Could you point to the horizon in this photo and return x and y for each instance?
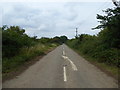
(50, 19)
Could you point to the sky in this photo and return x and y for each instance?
(53, 18)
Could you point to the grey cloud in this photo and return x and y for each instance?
(51, 19)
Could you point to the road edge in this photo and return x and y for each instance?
(96, 65)
(25, 66)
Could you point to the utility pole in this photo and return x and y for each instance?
(76, 33)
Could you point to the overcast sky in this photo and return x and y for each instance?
(49, 19)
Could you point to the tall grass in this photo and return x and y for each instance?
(25, 54)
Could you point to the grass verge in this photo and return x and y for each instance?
(14, 66)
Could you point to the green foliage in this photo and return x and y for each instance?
(25, 54)
(59, 40)
(91, 46)
(110, 23)
(109, 56)
(56, 39)
(63, 39)
(13, 40)
(45, 40)
(105, 47)
(18, 47)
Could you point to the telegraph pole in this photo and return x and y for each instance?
(76, 33)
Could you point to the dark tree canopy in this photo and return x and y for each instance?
(110, 25)
(14, 38)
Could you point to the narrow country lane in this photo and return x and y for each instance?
(62, 68)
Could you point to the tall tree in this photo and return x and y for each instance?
(110, 23)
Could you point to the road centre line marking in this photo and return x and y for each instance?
(63, 52)
(65, 76)
(72, 64)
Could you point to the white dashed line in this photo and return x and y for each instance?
(63, 53)
(65, 76)
(64, 67)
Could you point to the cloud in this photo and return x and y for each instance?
(52, 18)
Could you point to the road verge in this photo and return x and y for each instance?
(21, 68)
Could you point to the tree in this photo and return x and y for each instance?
(110, 23)
(13, 39)
(63, 39)
(44, 40)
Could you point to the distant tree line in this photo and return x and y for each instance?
(56, 39)
(14, 38)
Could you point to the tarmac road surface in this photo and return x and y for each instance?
(62, 68)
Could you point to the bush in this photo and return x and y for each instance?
(95, 49)
(25, 54)
(110, 57)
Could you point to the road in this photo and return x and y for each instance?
(62, 68)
